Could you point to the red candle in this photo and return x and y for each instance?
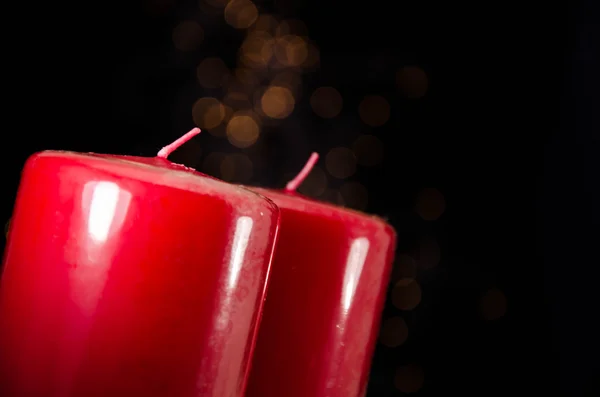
(129, 276)
(326, 292)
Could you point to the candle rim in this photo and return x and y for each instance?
(153, 168)
(318, 207)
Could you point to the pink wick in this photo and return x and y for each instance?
(297, 181)
(167, 150)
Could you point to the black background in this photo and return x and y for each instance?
(507, 132)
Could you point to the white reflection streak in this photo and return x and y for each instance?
(105, 198)
(354, 267)
(243, 228)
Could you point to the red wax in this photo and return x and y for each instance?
(131, 277)
(326, 292)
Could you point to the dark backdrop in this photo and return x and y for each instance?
(492, 188)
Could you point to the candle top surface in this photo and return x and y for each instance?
(292, 200)
(154, 170)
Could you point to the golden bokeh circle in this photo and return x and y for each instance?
(430, 204)
(187, 35)
(409, 378)
(374, 110)
(315, 183)
(406, 294)
(291, 50)
(243, 129)
(326, 102)
(340, 162)
(240, 14)
(368, 150)
(208, 113)
(257, 49)
(211, 72)
(277, 102)
(412, 81)
(394, 332)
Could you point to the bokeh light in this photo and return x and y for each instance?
(187, 35)
(315, 183)
(291, 27)
(340, 162)
(409, 378)
(406, 294)
(277, 102)
(374, 110)
(243, 129)
(291, 50)
(430, 204)
(394, 332)
(240, 14)
(368, 150)
(257, 49)
(493, 304)
(412, 81)
(211, 72)
(326, 102)
(208, 113)
(236, 167)
(355, 195)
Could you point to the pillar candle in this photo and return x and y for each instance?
(327, 289)
(127, 276)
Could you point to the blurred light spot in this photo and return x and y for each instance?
(406, 294)
(315, 183)
(277, 102)
(429, 253)
(340, 162)
(187, 36)
(291, 26)
(212, 164)
(493, 304)
(257, 49)
(236, 168)
(405, 267)
(430, 204)
(374, 110)
(313, 57)
(412, 81)
(332, 196)
(355, 195)
(241, 14)
(368, 150)
(211, 72)
(394, 332)
(265, 23)
(208, 113)
(243, 129)
(291, 50)
(409, 378)
(326, 102)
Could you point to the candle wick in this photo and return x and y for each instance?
(167, 150)
(297, 181)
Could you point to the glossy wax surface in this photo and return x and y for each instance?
(326, 293)
(130, 277)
